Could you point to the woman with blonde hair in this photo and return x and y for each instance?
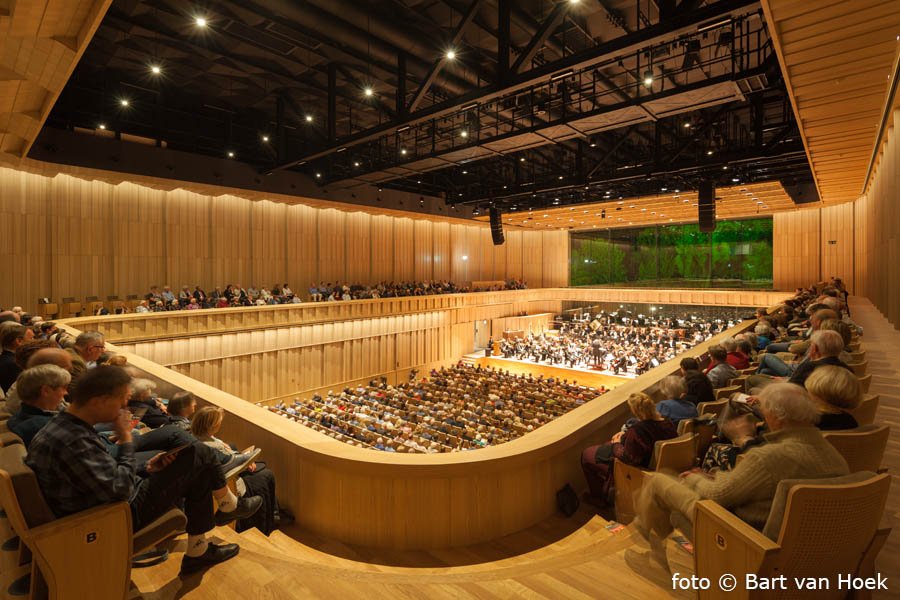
(633, 445)
(256, 480)
(835, 390)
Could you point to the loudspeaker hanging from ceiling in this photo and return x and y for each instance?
(706, 206)
(496, 227)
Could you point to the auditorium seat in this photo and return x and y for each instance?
(677, 454)
(865, 412)
(864, 382)
(816, 528)
(723, 394)
(859, 368)
(863, 447)
(713, 408)
(71, 551)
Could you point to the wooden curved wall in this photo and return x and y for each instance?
(409, 501)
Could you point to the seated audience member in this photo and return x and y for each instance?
(75, 472)
(41, 390)
(699, 388)
(143, 307)
(676, 407)
(156, 414)
(89, 346)
(12, 336)
(181, 408)
(794, 449)
(719, 371)
(735, 357)
(633, 446)
(764, 335)
(824, 348)
(42, 356)
(256, 480)
(835, 391)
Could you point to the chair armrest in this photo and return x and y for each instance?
(8, 438)
(723, 543)
(70, 551)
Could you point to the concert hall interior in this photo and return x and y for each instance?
(449, 299)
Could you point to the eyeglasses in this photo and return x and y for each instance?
(100, 347)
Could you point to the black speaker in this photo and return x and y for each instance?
(706, 206)
(496, 227)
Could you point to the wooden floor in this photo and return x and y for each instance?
(882, 345)
(561, 558)
(587, 378)
(577, 557)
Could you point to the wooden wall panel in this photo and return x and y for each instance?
(556, 258)
(442, 258)
(302, 267)
(513, 247)
(332, 245)
(532, 258)
(879, 223)
(382, 248)
(359, 248)
(837, 243)
(423, 244)
(64, 236)
(404, 250)
(796, 248)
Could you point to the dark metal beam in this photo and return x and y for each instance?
(439, 63)
(547, 28)
(332, 102)
(503, 39)
(680, 25)
(401, 84)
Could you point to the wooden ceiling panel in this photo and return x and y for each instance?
(836, 57)
(739, 201)
(41, 41)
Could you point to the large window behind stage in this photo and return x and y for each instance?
(736, 254)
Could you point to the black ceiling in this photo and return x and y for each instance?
(592, 98)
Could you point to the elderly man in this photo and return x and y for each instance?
(41, 390)
(794, 449)
(824, 348)
(89, 346)
(41, 356)
(719, 372)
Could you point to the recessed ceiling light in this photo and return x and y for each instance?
(403, 151)
(156, 69)
(319, 176)
(124, 102)
(230, 154)
(709, 152)
(368, 92)
(560, 176)
(265, 138)
(464, 133)
(450, 55)
(356, 163)
(465, 172)
(687, 125)
(309, 118)
(522, 159)
(200, 22)
(102, 126)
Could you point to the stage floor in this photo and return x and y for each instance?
(593, 379)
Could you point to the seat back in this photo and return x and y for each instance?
(858, 356)
(863, 447)
(676, 454)
(864, 382)
(711, 408)
(828, 524)
(725, 393)
(865, 412)
(20, 494)
(705, 430)
(859, 368)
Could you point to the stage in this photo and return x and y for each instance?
(586, 377)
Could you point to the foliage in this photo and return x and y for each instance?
(737, 250)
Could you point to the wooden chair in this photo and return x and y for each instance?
(865, 412)
(858, 357)
(864, 382)
(705, 430)
(863, 447)
(859, 368)
(827, 526)
(70, 308)
(725, 393)
(676, 454)
(855, 346)
(71, 553)
(713, 408)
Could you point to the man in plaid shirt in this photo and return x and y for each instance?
(75, 472)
